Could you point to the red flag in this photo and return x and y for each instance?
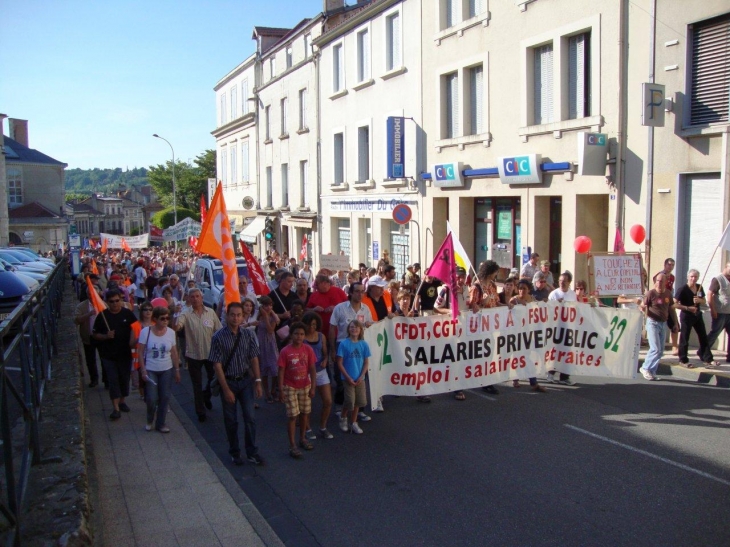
(303, 252)
(618, 242)
(96, 301)
(215, 239)
(193, 242)
(255, 272)
(203, 210)
(125, 246)
(103, 246)
(443, 267)
(93, 244)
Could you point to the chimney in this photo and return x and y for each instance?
(332, 5)
(19, 130)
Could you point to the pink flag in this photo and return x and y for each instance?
(618, 242)
(443, 267)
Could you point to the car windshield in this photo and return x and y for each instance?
(19, 256)
(26, 254)
(10, 258)
(218, 274)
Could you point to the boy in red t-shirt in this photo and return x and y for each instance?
(297, 378)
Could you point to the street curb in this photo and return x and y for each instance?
(254, 517)
(699, 374)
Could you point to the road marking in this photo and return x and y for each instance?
(478, 394)
(649, 454)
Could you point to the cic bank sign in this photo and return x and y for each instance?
(447, 175)
(520, 169)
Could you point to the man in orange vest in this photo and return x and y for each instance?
(377, 299)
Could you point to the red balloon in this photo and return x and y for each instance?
(582, 244)
(638, 233)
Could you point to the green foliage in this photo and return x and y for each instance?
(134, 232)
(75, 197)
(166, 217)
(88, 181)
(191, 181)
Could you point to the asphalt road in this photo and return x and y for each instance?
(601, 463)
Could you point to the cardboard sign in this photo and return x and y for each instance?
(614, 275)
(335, 262)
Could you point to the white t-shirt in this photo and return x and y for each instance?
(560, 296)
(157, 356)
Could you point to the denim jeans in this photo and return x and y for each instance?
(158, 396)
(656, 332)
(721, 323)
(244, 392)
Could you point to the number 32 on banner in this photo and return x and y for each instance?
(617, 330)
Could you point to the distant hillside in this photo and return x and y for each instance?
(87, 181)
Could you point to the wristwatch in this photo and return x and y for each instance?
(257, 380)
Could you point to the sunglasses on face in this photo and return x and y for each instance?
(165, 318)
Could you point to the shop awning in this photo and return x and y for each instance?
(306, 223)
(250, 232)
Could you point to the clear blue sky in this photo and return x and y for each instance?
(96, 78)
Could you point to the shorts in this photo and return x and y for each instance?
(355, 396)
(297, 401)
(323, 378)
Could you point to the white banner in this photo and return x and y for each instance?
(134, 242)
(615, 274)
(335, 262)
(182, 230)
(429, 355)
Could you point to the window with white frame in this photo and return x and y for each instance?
(393, 40)
(244, 98)
(363, 153)
(475, 7)
(302, 109)
(343, 236)
(284, 184)
(303, 183)
(284, 116)
(339, 157)
(234, 171)
(476, 100)
(234, 102)
(579, 76)
(338, 68)
(269, 188)
(272, 66)
(244, 161)
(307, 45)
(451, 105)
(224, 119)
(15, 187)
(267, 122)
(224, 166)
(543, 84)
(289, 55)
(449, 15)
(709, 77)
(363, 55)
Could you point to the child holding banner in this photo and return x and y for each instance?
(353, 358)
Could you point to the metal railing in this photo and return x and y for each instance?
(27, 344)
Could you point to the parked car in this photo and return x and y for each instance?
(208, 276)
(32, 255)
(17, 259)
(20, 268)
(12, 293)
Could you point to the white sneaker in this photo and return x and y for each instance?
(363, 417)
(551, 378)
(354, 428)
(379, 408)
(647, 375)
(343, 424)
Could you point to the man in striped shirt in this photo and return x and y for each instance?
(234, 352)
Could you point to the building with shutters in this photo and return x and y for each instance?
(370, 72)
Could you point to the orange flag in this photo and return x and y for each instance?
(94, 267)
(96, 301)
(103, 246)
(215, 239)
(125, 246)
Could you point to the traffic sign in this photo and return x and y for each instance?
(402, 213)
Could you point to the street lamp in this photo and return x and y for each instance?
(174, 196)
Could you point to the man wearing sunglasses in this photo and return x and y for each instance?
(115, 339)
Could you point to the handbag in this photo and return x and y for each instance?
(215, 386)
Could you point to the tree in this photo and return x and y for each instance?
(166, 217)
(191, 181)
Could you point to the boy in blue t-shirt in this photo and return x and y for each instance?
(353, 355)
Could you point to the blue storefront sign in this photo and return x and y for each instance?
(396, 147)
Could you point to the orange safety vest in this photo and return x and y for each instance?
(369, 303)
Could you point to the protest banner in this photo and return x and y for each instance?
(435, 354)
(182, 230)
(134, 242)
(335, 262)
(615, 274)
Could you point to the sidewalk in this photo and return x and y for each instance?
(164, 489)
(669, 366)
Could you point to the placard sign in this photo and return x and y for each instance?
(614, 275)
(335, 262)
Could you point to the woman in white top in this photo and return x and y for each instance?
(158, 362)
